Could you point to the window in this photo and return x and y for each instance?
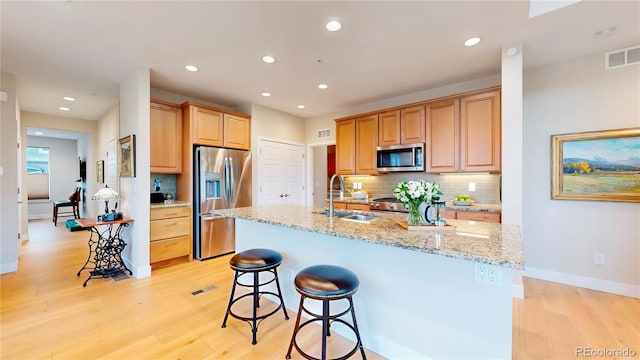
(37, 172)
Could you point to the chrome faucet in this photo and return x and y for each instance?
(331, 211)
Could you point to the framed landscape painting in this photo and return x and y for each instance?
(127, 156)
(598, 165)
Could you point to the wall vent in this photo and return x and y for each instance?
(622, 57)
(324, 133)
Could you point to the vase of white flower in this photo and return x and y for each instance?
(413, 193)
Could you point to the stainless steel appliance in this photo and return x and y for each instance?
(387, 204)
(222, 180)
(406, 157)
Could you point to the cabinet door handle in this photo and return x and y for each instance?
(172, 224)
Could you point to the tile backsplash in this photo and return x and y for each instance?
(167, 183)
(487, 185)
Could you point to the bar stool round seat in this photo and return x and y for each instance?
(255, 261)
(326, 283)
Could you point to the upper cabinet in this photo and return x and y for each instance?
(463, 134)
(389, 128)
(356, 142)
(404, 126)
(214, 127)
(165, 131)
(237, 132)
(412, 123)
(366, 143)
(480, 132)
(346, 147)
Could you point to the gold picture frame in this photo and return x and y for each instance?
(596, 165)
(127, 156)
(100, 171)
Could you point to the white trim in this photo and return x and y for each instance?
(613, 287)
(138, 272)
(309, 200)
(9, 267)
(44, 216)
(279, 141)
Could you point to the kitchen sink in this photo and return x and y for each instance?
(360, 217)
(351, 216)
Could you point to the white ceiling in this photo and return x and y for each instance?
(85, 49)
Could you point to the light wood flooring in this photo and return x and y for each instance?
(46, 313)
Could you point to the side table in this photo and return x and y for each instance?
(105, 250)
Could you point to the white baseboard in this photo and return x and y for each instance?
(138, 272)
(39, 216)
(8, 267)
(613, 287)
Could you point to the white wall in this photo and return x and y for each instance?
(274, 125)
(107, 130)
(134, 191)
(63, 172)
(9, 226)
(561, 235)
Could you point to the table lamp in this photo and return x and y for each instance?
(106, 194)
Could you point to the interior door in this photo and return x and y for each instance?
(280, 173)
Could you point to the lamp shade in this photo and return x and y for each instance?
(106, 194)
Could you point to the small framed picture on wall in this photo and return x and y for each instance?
(100, 171)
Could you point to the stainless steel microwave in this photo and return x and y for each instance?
(406, 157)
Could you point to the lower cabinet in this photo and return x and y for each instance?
(474, 216)
(349, 206)
(170, 235)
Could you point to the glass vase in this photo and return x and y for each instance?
(415, 217)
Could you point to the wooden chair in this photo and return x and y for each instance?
(73, 201)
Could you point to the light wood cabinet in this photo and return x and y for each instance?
(443, 132)
(237, 132)
(356, 142)
(205, 125)
(366, 143)
(165, 130)
(404, 126)
(463, 134)
(170, 235)
(480, 132)
(474, 216)
(390, 128)
(346, 147)
(412, 125)
(214, 127)
(348, 206)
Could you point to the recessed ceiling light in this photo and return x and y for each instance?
(192, 68)
(323, 86)
(268, 59)
(68, 98)
(334, 25)
(301, 106)
(63, 108)
(266, 94)
(38, 133)
(473, 41)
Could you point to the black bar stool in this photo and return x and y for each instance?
(326, 283)
(254, 262)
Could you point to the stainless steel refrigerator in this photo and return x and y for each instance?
(222, 180)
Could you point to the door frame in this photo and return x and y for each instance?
(309, 164)
(258, 163)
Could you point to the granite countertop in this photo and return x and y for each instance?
(175, 204)
(495, 244)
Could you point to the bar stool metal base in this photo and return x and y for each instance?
(326, 283)
(256, 293)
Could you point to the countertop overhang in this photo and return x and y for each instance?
(494, 244)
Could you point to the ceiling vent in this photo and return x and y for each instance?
(622, 57)
(324, 133)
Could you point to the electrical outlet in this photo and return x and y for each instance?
(472, 186)
(487, 274)
(598, 258)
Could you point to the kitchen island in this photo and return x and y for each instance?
(423, 294)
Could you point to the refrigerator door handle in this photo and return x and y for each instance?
(232, 182)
